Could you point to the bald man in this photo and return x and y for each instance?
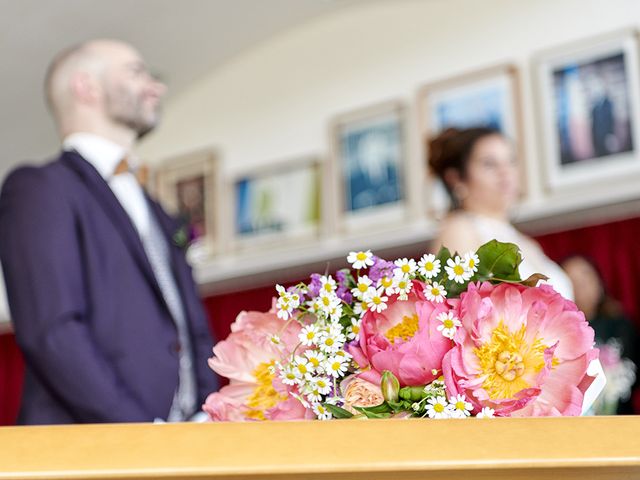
(104, 305)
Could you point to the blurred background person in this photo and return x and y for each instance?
(478, 169)
(605, 314)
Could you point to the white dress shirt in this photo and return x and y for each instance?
(105, 156)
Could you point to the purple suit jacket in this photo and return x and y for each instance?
(98, 339)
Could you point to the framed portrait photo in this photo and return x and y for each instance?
(277, 205)
(188, 186)
(588, 97)
(369, 166)
(484, 98)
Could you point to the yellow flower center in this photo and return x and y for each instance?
(322, 383)
(386, 282)
(311, 335)
(402, 285)
(335, 366)
(355, 329)
(428, 266)
(472, 263)
(314, 361)
(376, 300)
(460, 406)
(302, 368)
(326, 301)
(361, 256)
(328, 341)
(406, 268)
(327, 287)
(507, 362)
(448, 323)
(435, 291)
(362, 287)
(264, 396)
(405, 330)
(458, 269)
(438, 407)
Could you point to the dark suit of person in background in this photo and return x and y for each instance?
(103, 302)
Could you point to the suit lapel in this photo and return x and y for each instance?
(116, 213)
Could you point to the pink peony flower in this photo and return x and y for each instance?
(522, 351)
(402, 339)
(247, 358)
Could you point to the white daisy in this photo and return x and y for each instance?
(404, 267)
(327, 284)
(360, 259)
(287, 375)
(331, 342)
(387, 284)
(284, 308)
(353, 330)
(321, 412)
(435, 292)
(459, 407)
(302, 367)
(471, 261)
(309, 335)
(486, 412)
(403, 286)
(322, 384)
(312, 393)
(336, 366)
(316, 359)
(376, 301)
(457, 270)
(360, 308)
(437, 407)
(429, 266)
(275, 339)
(449, 324)
(364, 282)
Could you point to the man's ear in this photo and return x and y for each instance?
(84, 87)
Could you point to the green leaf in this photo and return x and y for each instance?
(499, 260)
(373, 414)
(533, 280)
(337, 412)
(382, 408)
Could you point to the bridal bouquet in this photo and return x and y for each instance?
(448, 336)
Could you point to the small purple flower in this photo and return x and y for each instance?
(315, 285)
(344, 294)
(380, 268)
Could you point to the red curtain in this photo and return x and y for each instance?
(11, 376)
(615, 248)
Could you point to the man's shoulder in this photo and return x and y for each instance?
(37, 179)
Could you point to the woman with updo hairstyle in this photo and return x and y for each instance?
(479, 171)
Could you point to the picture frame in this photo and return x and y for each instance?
(369, 165)
(189, 187)
(488, 97)
(589, 106)
(277, 205)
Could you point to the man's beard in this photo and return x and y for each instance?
(126, 109)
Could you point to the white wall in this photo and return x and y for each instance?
(275, 100)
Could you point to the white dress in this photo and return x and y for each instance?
(534, 259)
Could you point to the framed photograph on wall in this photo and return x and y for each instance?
(369, 166)
(188, 186)
(484, 98)
(588, 94)
(277, 204)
